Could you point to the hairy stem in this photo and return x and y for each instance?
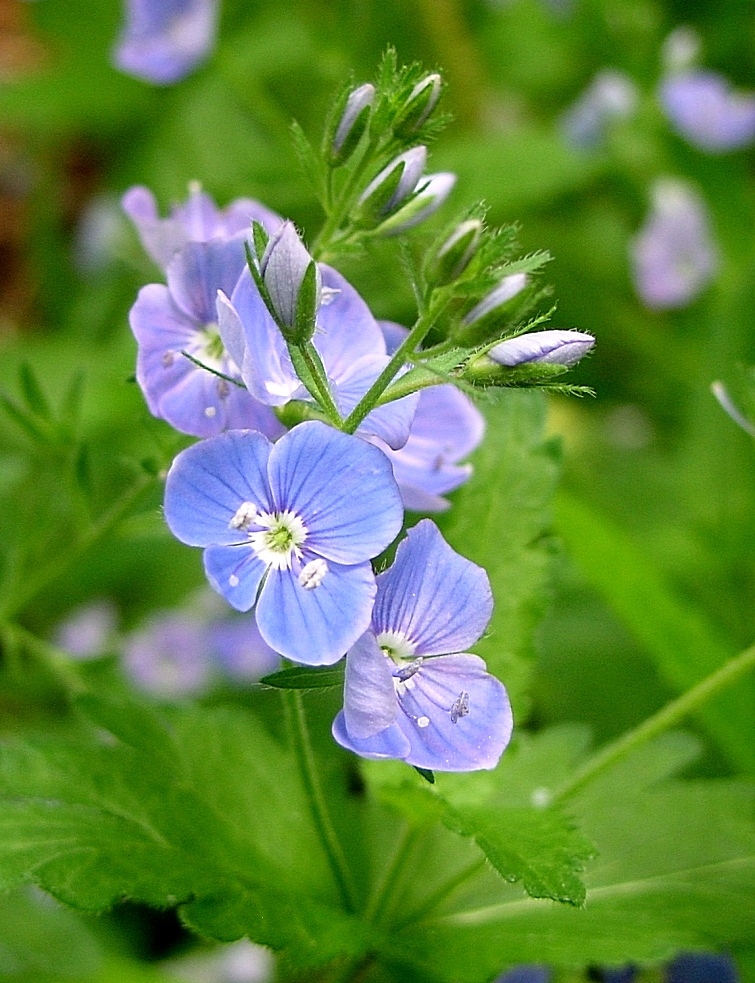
(729, 673)
(300, 736)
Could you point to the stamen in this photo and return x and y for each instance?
(313, 574)
(460, 707)
(246, 516)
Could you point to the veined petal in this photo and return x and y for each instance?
(369, 697)
(341, 486)
(389, 743)
(207, 484)
(199, 270)
(438, 600)
(315, 626)
(456, 716)
(346, 329)
(230, 327)
(235, 572)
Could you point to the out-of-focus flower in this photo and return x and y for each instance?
(89, 631)
(168, 655)
(238, 649)
(240, 962)
(198, 219)
(673, 256)
(555, 347)
(704, 108)
(164, 40)
(611, 96)
(181, 317)
(99, 235)
(410, 691)
(290, 530)
(702, 967)
(526, 974)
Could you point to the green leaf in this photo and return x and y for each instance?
(501, 520)
(33, 394)
(674, 868)
(682, 642)
(540, 847)
(304, 677)
(203, 809)
(310, 162)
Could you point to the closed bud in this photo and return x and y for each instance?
(555, 347)
(432, 192)
(483, 319)
(456, 253)
(353, 122)
(421, 102)
(292, 281)
(392, 186)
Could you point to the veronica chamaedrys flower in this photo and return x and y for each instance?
(238, 649)
(347, 337)
(446, 428)
(89, 631)
(164, 40)
(611, 96)
(673, 256)
(554, 347)
(290, 530)
(410, 691)
(198, 219)
(168, 655)
(704, 109)
(182, 317)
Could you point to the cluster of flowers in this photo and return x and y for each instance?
(307, 460)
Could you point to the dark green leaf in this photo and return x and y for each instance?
(33, 394)
(305, 677)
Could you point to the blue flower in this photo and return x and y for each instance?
(181, 317)
(347, 338)
(289, 528)
(706, 111)
(610, 97)
(673, 255)
(165, 40)
(403, 696)
(198, 219)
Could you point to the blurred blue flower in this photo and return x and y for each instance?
(167, 656)
(526, 974)
(89, 631)
(611, 96)
(446, 428)
(290, 528)
(181, 317)
(702, 967)
(198, 219)
(347, 338)
(554, 347)
(164, 40)
(705, 109)
(673, 256)
(404, 697)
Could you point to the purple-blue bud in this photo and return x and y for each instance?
(393, 185)
(283, 269)
(421, 102)
(456, 252)
(433, 193)
(353, 120)
(508, 288)
(555, 347)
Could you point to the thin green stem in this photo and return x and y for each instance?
(300, 736)
(729, 673)
(413, 340)
(16, 637)
(66, 557)
(383, 894)
(323, 395)
(341, 208)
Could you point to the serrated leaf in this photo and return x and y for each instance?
(539, 847)
(310, 162)
(304, 677)
(501, 519)
(203, 808)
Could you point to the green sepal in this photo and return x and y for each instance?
(307, 303)
(369, 212)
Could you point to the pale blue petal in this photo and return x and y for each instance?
(235, 573)
(199, 270)
(317, 626)
(369, 697)
(230, 327)
(389, 743)
(437, 599)
(162, 331)
(346, 329)
(456, 716)
(391, 422)
(341, 487)
(207, 483)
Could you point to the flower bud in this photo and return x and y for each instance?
(421, 102)
(392, 186)
(353, 122)
(292, 282)
(433, 191)
(482, 322)
(456, 253)
(555, 347)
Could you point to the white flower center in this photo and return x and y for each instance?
(279, 539)
(313, 573)
(397, 646)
